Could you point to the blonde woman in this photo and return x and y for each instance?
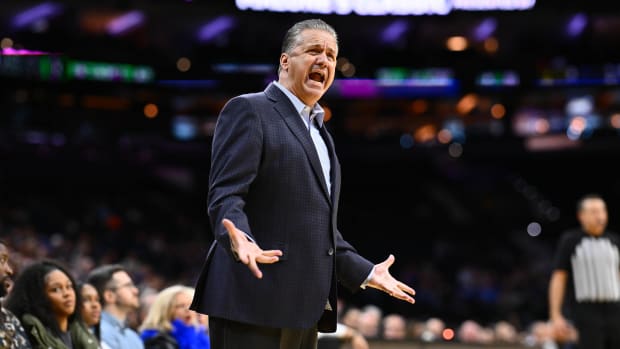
(169, 324)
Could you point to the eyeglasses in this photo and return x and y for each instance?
(129, 284)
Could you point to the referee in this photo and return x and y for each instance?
(587, 276)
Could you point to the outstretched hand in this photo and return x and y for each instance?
(382, 279)
(247, 251)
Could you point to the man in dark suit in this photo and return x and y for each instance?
(273, 202)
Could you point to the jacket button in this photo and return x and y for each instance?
(330, 252)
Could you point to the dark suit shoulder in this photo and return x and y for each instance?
(613, 236)
(256, 102)
(571, 236)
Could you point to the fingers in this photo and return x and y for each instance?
(406, 288)
(248, 252)
(254, 268)
(269, 257)
(389, 261)
(270, 253)
(401, 291)
(403, 296)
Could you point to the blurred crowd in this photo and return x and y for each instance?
(160, 243)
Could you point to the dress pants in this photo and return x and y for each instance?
(227, 334)
(598, 325)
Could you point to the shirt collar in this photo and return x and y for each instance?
(105, 316)
(317, 110)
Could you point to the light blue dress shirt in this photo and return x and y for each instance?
(116, 335)
(309, 114)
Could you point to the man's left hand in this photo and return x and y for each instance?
(382, 279)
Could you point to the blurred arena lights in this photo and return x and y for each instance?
(455, 150)
(498, 111)
(215, 28)
(406, 141)
(485, 29)
(576, 24)
(10, 51)
(614, 120)
(447, 334)
(184, 64)
(534, 229)
(125, 23)
(457, 43)
(6, 43)
(151, 110)
(395, 31)
(382, 7)
(36, 14)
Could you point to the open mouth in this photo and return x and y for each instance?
(317, 76)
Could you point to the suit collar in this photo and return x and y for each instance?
(316, 110)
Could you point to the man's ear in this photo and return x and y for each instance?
(284, 61)
(109, 296)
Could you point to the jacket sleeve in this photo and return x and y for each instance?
(235, 159)
(352, 269)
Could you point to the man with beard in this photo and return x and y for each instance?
(12, 335)
(119, 297)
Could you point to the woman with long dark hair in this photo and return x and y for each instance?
(45, 299)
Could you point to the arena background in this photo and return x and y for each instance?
(465, 139)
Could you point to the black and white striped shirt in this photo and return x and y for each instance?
(593, 264)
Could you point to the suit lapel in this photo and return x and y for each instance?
(292, 119)
(335, 166)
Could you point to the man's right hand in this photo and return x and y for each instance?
(560, 326)
(247, 251)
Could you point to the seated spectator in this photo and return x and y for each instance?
(369, 321)
(170, 324)
(91, 309)
(471, 331)
(12, 335)
(119, 296)
(394, 327)
(433, 329)
(46, 300)
(505, 332)
(351, 316)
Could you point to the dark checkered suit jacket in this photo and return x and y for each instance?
(266, 177)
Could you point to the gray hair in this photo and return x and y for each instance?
(291, 38)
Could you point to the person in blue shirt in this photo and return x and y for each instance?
(119, 297)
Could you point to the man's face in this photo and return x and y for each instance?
(593, 216)
(125, 292)
(5, 269)
(308, 70)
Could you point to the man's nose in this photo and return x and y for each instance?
(321, 59)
